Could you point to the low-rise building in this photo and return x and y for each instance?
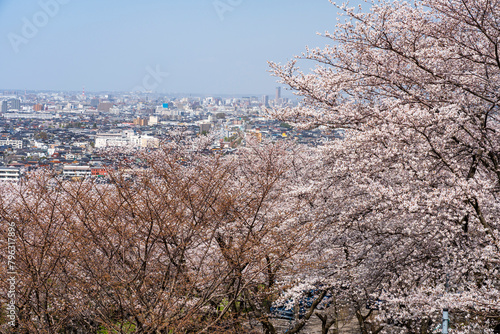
(76, 171)
(99, 171)
(125, 139)
(12, 142)
(10, 174)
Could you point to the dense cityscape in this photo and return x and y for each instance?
(69, 133)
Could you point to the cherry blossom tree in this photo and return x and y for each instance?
(186, 240)
(45, 289)
(410, 195)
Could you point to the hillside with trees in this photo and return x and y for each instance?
(393, 223)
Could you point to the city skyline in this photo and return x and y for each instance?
(6, 93)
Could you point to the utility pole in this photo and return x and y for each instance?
(446, 317)
(446, 321)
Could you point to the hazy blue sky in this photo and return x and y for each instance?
(109, 44)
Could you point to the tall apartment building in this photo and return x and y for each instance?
(141, 121)
(15, 104)
(104, 106)
(265, 100)
(94, 103)
(153, 120)
(205, 127)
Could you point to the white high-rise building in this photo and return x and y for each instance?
(153, 120)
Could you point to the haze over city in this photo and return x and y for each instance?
(205, 46)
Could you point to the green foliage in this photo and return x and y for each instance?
(42, 135)
(285, 125)
(127, 327)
